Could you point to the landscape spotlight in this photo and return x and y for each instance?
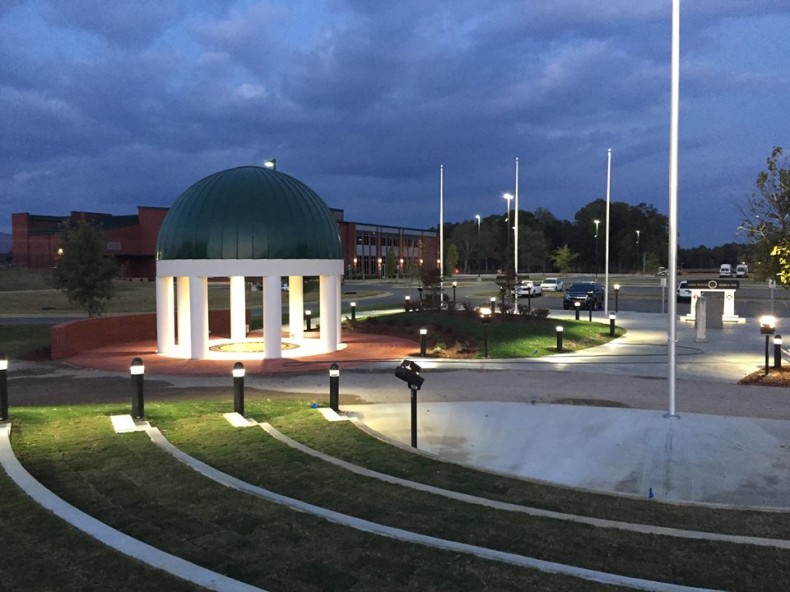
(409, 372)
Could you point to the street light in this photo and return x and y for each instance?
(508, 197)
(477, 217)
(638, 254)
(596, 222)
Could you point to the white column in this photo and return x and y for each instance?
(272, 318)
(329, 312)
(165, 316)
(339, 285)
(296, 307)
(184, 326)
(198, 311)
(238, 309)
(729, 303)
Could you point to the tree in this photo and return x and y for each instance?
(85, 271)
(450, 260)
(390, 263)
(562, 258)
(767, 219)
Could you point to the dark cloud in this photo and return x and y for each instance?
(106, 107)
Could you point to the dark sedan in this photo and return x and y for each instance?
(590, 294)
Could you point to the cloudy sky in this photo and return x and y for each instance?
(109, 105)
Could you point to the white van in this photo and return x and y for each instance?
(725, 270)
(741, 270)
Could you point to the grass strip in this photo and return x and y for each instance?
(256, 458)
(128, 483)
(343, 440)
(41, 552)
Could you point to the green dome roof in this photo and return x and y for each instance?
(249, 213)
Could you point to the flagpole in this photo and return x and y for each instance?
(673, 205)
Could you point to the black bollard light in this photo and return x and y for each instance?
(767, 328)
(590, 313)
(423, 340)
(308, 317)
(334, 387)
(492, 300)
(455, 285)
(407, 303)
(559, 329)
(137, 370)
(485, 318)
(576, 306)
(778, 352)
(3, 387)
(238, 388)
(419, 289)
(612, 318)
(616, 295)
(353, 312)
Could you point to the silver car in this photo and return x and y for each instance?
(552, 285)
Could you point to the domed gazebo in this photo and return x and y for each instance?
(241, 223)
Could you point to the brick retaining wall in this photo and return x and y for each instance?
(76, 336)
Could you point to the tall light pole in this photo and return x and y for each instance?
(606, 247)
(477, 217)
(596, 222)
(515, 226)
(508, 197)
(638, 254)
(441, 234)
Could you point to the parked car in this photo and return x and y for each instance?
(527, 288)
(684, 292)
(552, 285)
(590, 294)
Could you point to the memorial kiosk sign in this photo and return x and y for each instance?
(725, 286)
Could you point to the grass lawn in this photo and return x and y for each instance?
(25, 341)
(127, 482)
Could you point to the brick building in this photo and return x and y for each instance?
(131, 239)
